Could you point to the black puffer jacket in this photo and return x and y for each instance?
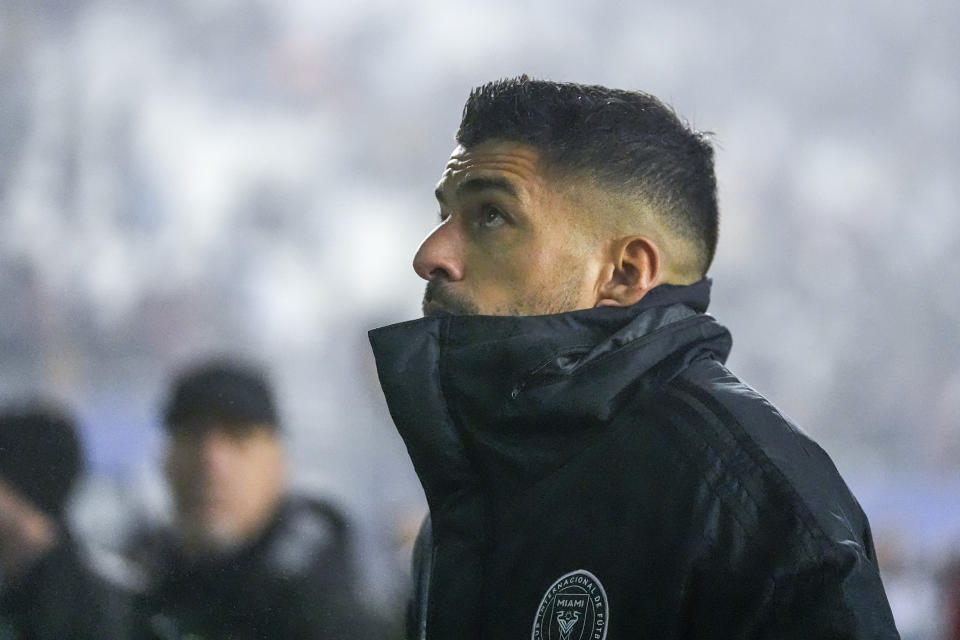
(295, 581)
(600, 474)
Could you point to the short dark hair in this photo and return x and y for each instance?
(220, 389)
(626, 140)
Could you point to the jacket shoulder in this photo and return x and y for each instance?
(750, 445)
(310, 536)
(783, 519)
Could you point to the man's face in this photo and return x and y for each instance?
(226, 480)
(509, 240)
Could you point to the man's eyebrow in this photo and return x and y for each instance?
(475, 185)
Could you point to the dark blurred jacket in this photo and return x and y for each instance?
(296, 580)
(62, 598)
(600, 474)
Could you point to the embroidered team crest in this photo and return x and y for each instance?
(573, 608)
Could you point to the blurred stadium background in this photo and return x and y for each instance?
(187, 178)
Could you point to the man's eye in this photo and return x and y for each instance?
(491, 217)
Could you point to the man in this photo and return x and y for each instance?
(244, 559)
(592, 469)
(48, 591)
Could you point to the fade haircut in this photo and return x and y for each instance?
(628, 141)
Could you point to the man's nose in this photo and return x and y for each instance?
(440, 256)
(214, 451)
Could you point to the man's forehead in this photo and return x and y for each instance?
(514, 161)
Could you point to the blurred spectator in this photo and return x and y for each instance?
(244, 559)
(48, 590)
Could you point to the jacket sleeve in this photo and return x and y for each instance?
(837, 595)
(783, 580)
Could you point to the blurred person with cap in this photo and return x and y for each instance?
(48, 587)
(244, 558)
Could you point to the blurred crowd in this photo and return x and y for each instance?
(243, 557)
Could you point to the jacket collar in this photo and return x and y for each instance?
(452, 382)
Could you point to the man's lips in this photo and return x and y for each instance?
(439, 300)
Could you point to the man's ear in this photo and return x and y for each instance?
(632, 270)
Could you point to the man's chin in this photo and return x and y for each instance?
(210, 533)
(214, 541)
(436, 310)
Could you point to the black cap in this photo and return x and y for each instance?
(221, 389)
(40, 455)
